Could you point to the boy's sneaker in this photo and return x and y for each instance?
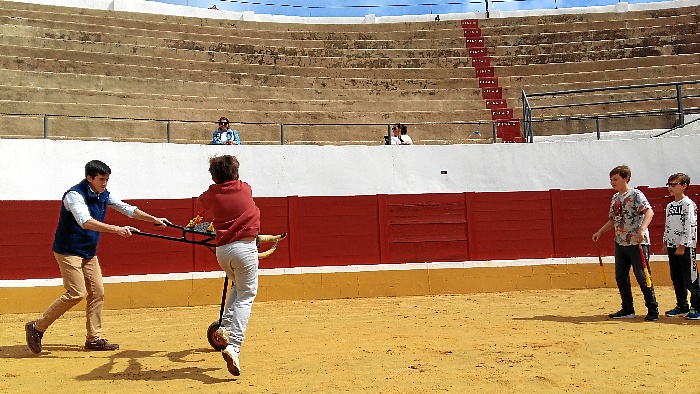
(693, 315)
(33, 337)
(101, 344)
(232, 360)
(652, 316)
(622, 314)
(677, 312)
(221, 335)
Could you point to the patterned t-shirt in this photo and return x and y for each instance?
(627, 213)
(681, 223)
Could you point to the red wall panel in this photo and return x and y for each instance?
(144, 255)
(26, 234)
(424, 227)
(334, 231)
(274, 220)
(658, 198)
(576, 215)
(510, 225)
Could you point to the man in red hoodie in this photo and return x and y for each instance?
(237, 224)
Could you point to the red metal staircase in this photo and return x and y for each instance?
(507, 127)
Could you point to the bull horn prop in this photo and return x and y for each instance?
(267, 239)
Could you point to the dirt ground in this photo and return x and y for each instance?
(533, 341)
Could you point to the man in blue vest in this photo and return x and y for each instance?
(80, 222)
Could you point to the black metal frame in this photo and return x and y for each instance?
(679, 109)
(185, 230)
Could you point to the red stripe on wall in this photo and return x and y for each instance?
(346, 230)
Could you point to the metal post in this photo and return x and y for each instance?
(679, 97)
(281, 133)
(597, 127)
(168, 130)
(495, 133)
(487, 9)
(46, 126)
(527, 119)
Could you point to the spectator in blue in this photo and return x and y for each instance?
(225, 135)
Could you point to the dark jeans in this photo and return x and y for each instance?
(684, 275)
(626, 257)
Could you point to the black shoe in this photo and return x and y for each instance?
(101, 344)
(652, 316)
(33, 337)
(622, 314)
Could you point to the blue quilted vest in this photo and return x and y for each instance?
(70, 238)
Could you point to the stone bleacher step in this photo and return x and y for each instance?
(234, 78)
(79, 96)
(597, 66)
(252, 115)
(149, 87)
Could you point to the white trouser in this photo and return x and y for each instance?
(240, 262)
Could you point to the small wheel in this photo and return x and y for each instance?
(213, 340)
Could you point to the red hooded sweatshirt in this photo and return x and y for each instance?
(235, 214)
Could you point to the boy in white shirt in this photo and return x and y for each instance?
(680, 238)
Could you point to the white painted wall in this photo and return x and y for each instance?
(153, 7)
(44, 169)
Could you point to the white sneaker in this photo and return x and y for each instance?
(233, 363)
(221, 335)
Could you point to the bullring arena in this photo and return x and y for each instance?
(463, 263)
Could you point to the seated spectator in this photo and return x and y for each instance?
(400, 136)
(224, 135)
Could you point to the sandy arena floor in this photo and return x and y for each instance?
(535, 341)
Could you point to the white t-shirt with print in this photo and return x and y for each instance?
(681, 223)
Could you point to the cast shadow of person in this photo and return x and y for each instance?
(21, 351)
(599, 319)
(134, 369)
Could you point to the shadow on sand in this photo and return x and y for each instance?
(605, 318)
(135, 370)
(182, 364)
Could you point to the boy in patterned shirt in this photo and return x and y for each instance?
(630, 215)
(680, 237)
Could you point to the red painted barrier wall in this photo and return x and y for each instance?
(26, 235)
(576, 215)
(423, 227)
(346, 230)
(510, 225)
(334, 230)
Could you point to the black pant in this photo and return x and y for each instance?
(626, 257)
(684, 275)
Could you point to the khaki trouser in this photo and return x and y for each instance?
(82, 278)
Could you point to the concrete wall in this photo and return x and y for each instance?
(32, 171)
(43, 169)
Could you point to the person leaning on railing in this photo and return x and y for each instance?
(225, 135)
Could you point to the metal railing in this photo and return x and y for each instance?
(678, 109)
(81, 127)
